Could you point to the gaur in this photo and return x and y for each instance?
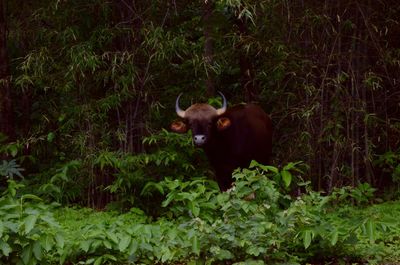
(230, 137)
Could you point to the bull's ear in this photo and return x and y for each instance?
(223, 123)
(179, 127)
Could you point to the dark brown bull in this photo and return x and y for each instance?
(230, 137)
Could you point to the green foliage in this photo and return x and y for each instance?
(360, 195)
(11, 149)
(94, 82)
(61, 185)
(9, 169)
(248, 224)
(290, 174)
(195, 198)
(389, 162)
(168, 153)
(28, 230)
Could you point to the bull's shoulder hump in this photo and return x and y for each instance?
(246, 108)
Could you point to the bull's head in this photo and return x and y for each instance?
(201, 118)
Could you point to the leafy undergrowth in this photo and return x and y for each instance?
(253, 223)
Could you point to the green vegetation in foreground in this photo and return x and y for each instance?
(254, 223)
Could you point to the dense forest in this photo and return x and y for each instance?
(87, 96)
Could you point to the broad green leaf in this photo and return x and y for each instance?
(170, 197)
(267, 168)
(270, 168)
(98, 261)
(291, 165)
(27, 254)
(10, 205)
(60, 240)
(89, 261)
(225, 254)
(166, 255)
(13, 150)
(150, 185)
(172, 233)
(37, 250)
(112, 236)
(307, 237)
(253, 164)
(222, 198)
(107, 244)
(334, 237)
(31, 196)
(147, 246)
(49, 220)
(13, 226)
(124, 242)
(147, 231)
(370, 229)
(85, 245)
(195, 245)
(109, 257)
(244, 191)
(254, 250)
(29, 223)
(1, 229)
(137, 211)
(286, 177)
(194, 208)
(63, 257)
(133, 247)
(5, 248)
(47, 242)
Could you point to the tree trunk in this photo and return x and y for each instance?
(129, 14)
(6, 114)
(208, 8)
(247, 77)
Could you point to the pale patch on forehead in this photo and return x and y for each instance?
(200, 111)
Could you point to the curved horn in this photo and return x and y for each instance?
(179, 111)
(223, 108)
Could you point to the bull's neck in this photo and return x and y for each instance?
(211, 148)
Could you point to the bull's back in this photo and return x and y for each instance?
(248, 138)
(251, 134)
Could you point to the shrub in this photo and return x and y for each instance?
(28, 231)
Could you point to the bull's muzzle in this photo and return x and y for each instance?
(199, 139)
